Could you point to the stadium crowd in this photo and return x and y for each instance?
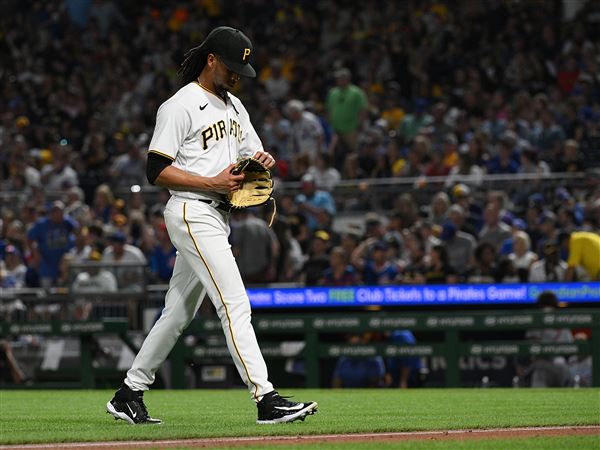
(346, 90)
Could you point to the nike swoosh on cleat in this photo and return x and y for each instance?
(134, 415)
(202, 107)
(290, 408)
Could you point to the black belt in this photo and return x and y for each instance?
(216, 204)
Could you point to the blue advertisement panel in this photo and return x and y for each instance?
(438, 295)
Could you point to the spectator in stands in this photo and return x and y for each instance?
(307, 133)
(312, 200)
(12, 269)
(494, 231)
(276, 84)
(162, 258)
(530, 162)
(438, 270)
(81, 249)
(120, 253)
(548, 371)
(356, 372)
(91, 280)
(547, 135)
(326, 177)
(569, 160)
(255, 247)
(412, 123)
(347, 109)
(505, 162)
(75, 206)
(584, 251)
(51, 237)
(339, 272)
(522, 257)
(59, 175)
(484, 269)
(439, 208)
(318, 259)
(459, 246)
(374, 266)
(129, 169)
(103, 202)
(547, 230)
(414, 259)
(403, 372)
(549, 269)
(465, 170)
(277, 134)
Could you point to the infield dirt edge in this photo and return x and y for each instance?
(456, 435)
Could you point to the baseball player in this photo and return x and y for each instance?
(200, 132)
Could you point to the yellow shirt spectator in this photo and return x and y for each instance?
(584, 250)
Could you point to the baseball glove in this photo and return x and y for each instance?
(257, 186)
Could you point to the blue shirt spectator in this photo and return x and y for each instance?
(52, 236)
(403, 372)
(359, 372)
(162, 258)
(313, 201)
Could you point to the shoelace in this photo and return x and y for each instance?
(140, 401)
(280, 400)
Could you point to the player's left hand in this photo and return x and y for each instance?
(265, 158)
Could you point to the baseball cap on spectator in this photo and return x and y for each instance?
(12, 250)
(457, 209)
(461, 190)
(463, 149)
(119, 237)
(323, 235)
(536, 200)
(95, 255)
(233, 47)
(307, 179)
(519, 224)
(450, 138)
(372, 218)
(120, 219)
(294, 105)
(342, 72)
(562, 194)
(509, 137)
(448, 231)
(547, 216)
(57, 205)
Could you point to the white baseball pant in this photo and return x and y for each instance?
(204, 263)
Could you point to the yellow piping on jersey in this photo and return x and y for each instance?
(161, 154)
(222, 301)
(211, 91)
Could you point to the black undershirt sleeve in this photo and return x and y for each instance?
(156, 164)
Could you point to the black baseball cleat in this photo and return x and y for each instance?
(128, 405)
(273, 408)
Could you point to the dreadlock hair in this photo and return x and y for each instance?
(192, 65)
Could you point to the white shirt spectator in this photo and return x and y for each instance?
(537, 273)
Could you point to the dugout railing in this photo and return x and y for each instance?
(308, 330)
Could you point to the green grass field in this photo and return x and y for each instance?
(72, 416)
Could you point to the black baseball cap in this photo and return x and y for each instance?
(233, 47)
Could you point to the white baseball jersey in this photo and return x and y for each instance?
(202, 134)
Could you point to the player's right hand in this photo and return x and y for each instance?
(226, 182)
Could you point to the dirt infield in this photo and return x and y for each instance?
(457, 435)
